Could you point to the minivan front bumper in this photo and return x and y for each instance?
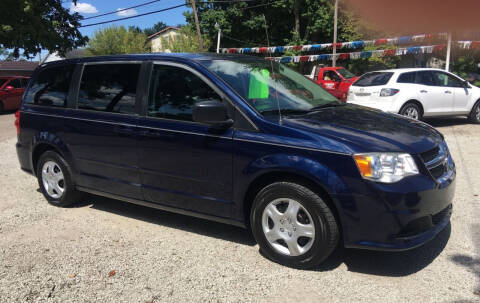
(397, 217)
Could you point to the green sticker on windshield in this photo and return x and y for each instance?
(258, 88)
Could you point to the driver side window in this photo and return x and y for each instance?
(174, 91)
(330, 75)
(443, 79)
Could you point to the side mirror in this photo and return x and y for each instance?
(212, 112)
(8, 87)
(466, 84)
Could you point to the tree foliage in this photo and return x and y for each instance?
(288, 22)
(32, 25)
(117, 40)
(155, 28)
(186, 41)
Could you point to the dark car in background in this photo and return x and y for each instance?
(11, 91)
(238, 140)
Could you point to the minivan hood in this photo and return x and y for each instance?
(362, 129)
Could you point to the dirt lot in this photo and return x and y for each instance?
(109, 251)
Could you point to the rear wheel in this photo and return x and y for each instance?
(1, 107)
(411, 110)
(55, 180)
(475, 113)
(293, 225)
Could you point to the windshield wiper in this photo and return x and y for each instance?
(327, 105)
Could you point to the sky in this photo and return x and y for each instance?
(91, 8)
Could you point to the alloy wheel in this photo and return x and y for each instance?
(411, 112)
(288, 227)
(53, 179)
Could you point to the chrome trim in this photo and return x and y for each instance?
(193, 133)
(442, 154)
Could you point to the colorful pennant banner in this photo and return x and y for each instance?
(368, 54)
(404, 40)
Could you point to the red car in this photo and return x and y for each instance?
(11, 91)
(336, 80)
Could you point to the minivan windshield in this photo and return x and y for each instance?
(345, 73)
(271, 87)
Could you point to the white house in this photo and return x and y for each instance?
(156, 39)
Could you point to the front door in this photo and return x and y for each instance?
(184, 164)
(456, 87)
(100, 132)
(436, 99)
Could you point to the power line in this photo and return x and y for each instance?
(136, 16)
(173, 7)
(123, 9)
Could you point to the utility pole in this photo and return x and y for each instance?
(335, 21)
(200, 42)
(449, 45)
(217, 26)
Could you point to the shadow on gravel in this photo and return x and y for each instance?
(156, 216)
(380, 263)
(445, 122)
(393, 264)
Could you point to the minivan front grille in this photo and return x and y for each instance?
(436, 161)
(429, 155)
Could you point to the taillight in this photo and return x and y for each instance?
(17, 121)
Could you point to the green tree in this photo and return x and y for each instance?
(243, 23)
(32, 25)
(186, 41)
(154, 29)
(360, 66)
(117, 40)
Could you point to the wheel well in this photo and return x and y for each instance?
(38, 151)
(415, 102)
(273, 177)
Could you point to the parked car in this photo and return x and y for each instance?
(417, 93)
(336, 80)
(223, 138)
(11, 91)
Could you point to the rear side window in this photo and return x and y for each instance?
(406, 78)
(373, 79)
(109, 87)
(425, 78)
(50, 87)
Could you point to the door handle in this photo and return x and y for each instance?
(448, 92)
(423, 91)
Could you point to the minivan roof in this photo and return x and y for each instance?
(154, 56)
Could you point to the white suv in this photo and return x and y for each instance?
(417, 93)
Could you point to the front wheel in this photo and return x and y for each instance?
(475, 113)
(55, 180)
(293, 225)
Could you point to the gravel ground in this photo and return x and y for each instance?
(109, 251)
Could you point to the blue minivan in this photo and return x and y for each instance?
(239, 140)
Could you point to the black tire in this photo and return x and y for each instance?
(409, 110)
(1, 107)
(69, 195)
(326, 229)
(475, 113)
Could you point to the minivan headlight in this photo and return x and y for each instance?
(386, 167)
